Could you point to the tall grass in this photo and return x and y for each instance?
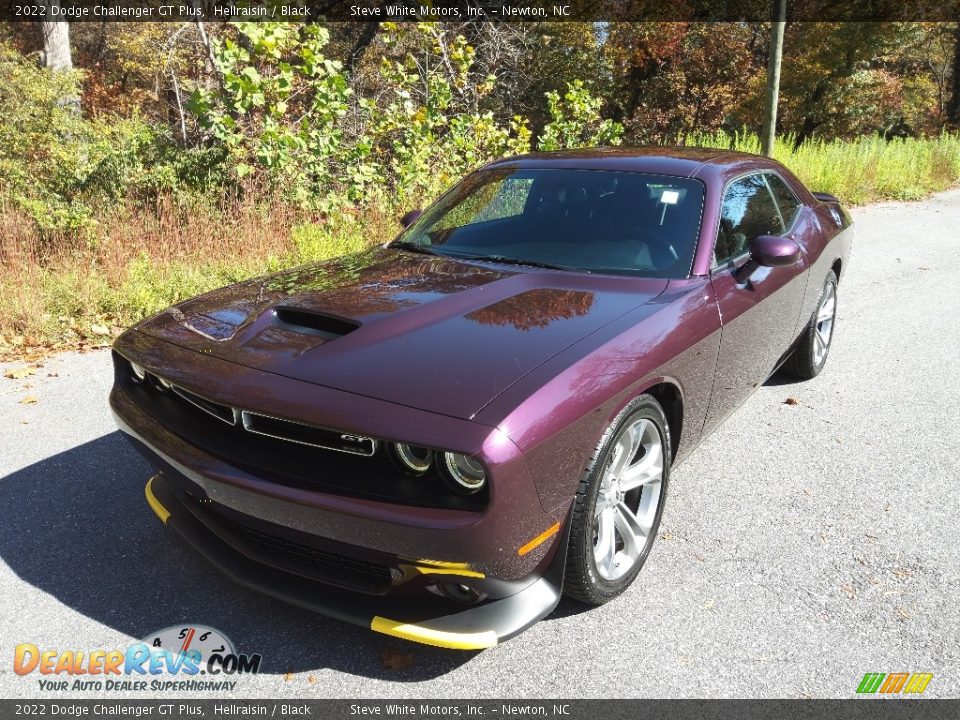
(859, 171)
(60, 290)
(68, 290)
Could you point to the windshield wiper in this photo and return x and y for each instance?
(516, 261)
(415, 247)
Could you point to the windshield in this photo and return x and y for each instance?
(589, 220)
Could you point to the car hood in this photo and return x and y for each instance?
(433, 333)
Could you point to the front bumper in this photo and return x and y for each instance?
(473, 627)
(511, 552)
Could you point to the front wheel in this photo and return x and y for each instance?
(618, 504)
(811, 352)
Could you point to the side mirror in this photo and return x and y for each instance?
(409, 217)
(768, 251)
(773, 251)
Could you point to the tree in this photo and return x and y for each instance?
(671, 79)
(56, 42)
(769, 132)
(954, 110)
(56, 51)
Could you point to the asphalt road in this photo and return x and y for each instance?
(802, 545)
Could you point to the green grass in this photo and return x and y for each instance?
(313, 242)
(860, 171)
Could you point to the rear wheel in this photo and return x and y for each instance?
(618, 504)
(810, 355)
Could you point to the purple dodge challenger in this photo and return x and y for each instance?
(438, 437)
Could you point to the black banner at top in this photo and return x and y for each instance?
(475, 10)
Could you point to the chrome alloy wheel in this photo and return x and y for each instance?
(627, 500)
(824, 322)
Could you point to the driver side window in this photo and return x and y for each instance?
(748, 211)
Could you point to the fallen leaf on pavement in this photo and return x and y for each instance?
(393, 659)
(20, 373)
(791, 401)
(28, 400)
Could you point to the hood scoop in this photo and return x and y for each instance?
(309, 322)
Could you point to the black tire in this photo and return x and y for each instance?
(804, 362)
(582, 581)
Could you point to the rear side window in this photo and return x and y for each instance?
(748, 211)
(786, 200)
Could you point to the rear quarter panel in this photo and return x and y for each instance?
(827, 246)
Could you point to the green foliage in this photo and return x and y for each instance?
(61, 167)
(575, 121)
(313, 242)
(47, 148)
(430, 129)
(149, 287)
(79, 293)
(286, 111)
(279, 103)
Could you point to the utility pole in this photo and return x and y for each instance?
(773, 76)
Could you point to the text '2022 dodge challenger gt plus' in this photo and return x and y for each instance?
(437, 437)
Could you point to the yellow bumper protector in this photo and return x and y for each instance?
(437, 567)
(437, 638)
(155, 504)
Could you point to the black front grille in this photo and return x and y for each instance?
(307, 434)
(291, 454)
(333, 568)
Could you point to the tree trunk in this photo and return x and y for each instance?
(367, 34)
(769, 132)
(56, 51)
(56, 44)
(953, 111)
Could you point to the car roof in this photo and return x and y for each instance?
(681, 161)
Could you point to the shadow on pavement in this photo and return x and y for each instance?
(781, 378)
(78, 528)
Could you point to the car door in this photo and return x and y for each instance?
(759, 313)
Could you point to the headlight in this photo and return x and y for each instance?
(411, 459)
(138, 374)
(465, 473)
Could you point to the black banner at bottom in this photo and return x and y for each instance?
(853, 709)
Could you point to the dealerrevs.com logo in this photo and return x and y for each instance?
(181, 657)
(894, 683)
